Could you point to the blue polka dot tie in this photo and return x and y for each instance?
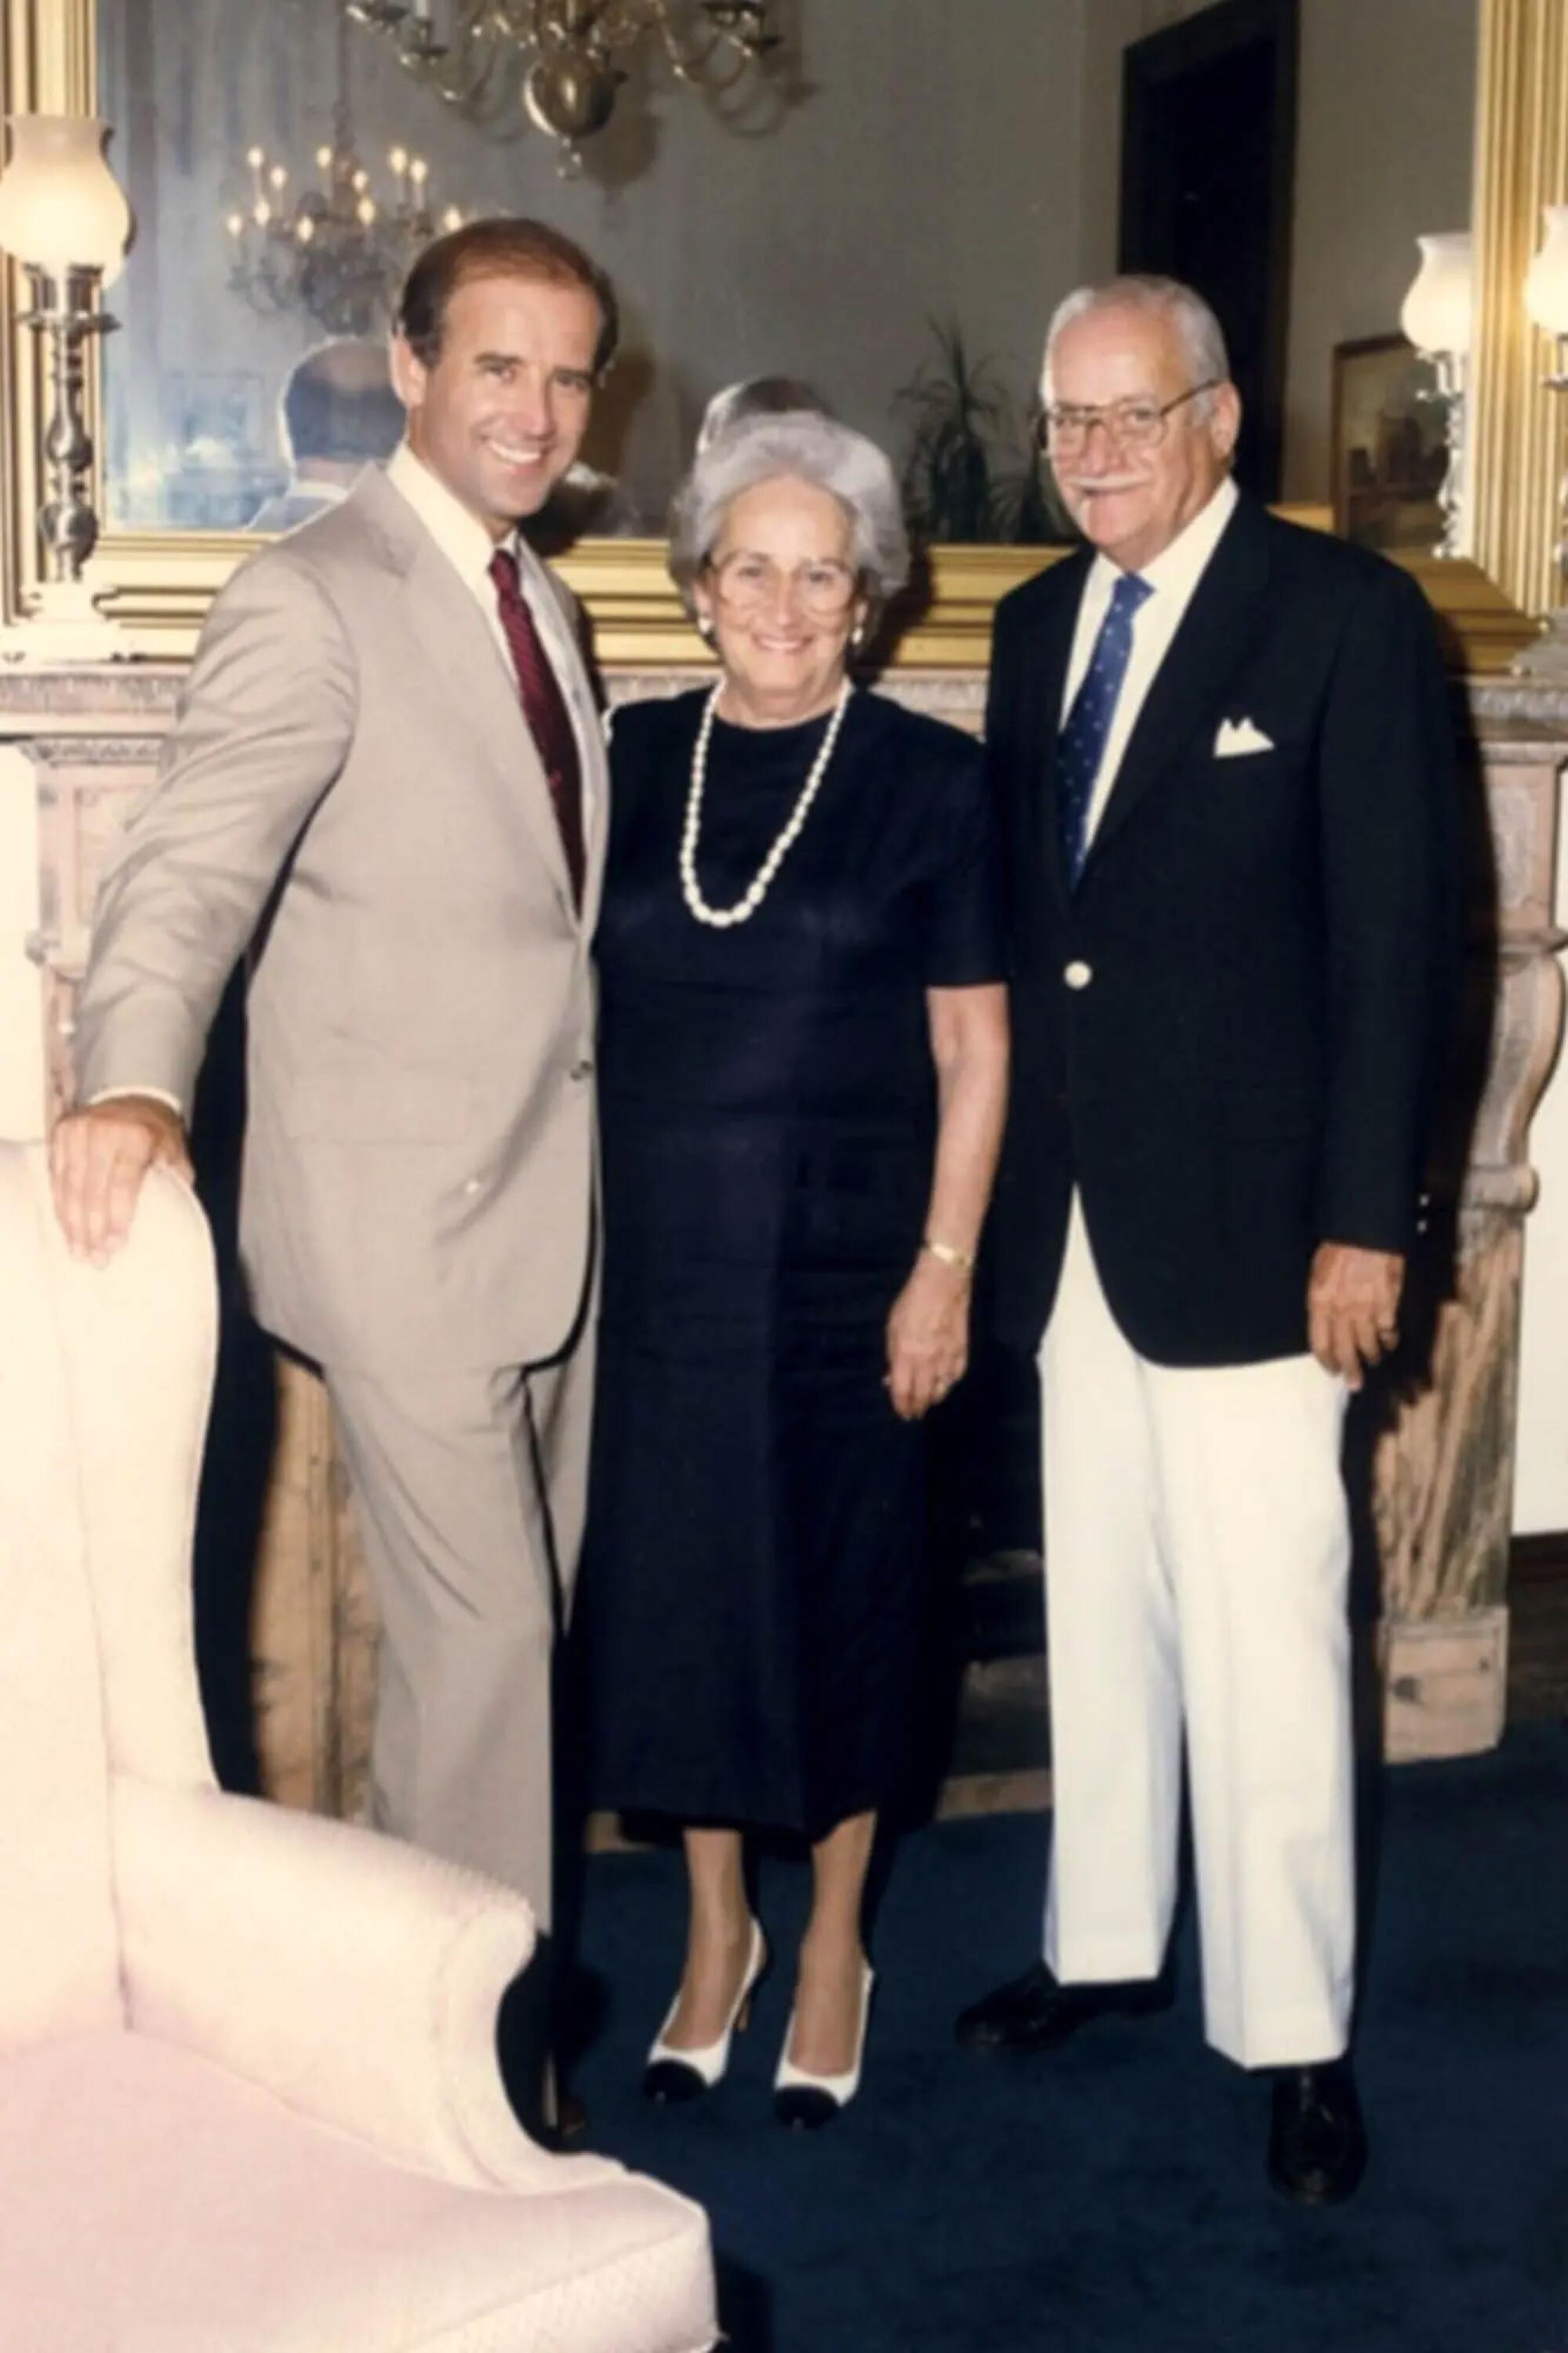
(1081, 745)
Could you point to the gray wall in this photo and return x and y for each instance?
(934, 172)
(1385, 151)
(1384, 154)
(927, 164)
(1109, 27)
(932, 160)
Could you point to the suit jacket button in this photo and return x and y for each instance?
(1077, 975)
(474, 1185)
(584, 1069)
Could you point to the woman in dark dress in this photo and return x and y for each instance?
(802, 1066)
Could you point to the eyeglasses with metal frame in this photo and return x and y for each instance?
(748, 583)
(1061, 430)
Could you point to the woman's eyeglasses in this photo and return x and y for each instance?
(748, 583)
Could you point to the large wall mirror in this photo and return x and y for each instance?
(902, 195)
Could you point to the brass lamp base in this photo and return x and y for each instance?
(61, 621)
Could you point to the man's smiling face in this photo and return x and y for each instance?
(1131, 501)
(498, 414)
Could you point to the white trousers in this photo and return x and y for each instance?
(1197, 1551)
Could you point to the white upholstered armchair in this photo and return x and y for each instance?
(248, 2097)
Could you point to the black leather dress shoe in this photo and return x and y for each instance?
(1035, 2013)
(1317, 2141)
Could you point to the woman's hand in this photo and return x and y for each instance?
(928, 1337)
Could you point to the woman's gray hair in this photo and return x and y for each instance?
(798, 446)
(1202, 336)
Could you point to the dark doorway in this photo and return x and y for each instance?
(1208, 159)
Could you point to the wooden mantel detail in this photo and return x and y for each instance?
(1442, 1458)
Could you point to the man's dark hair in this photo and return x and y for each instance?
(339, 403)
(500, 248)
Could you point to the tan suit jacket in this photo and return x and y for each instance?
(351, 786)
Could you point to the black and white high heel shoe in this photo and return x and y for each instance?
(672, 2075)
(807, 2102)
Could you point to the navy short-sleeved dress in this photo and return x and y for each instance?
(753, 1579)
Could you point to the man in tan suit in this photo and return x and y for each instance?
(387, 781)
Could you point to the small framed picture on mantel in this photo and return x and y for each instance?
(1389, 451)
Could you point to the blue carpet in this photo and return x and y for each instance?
(1112, 2197)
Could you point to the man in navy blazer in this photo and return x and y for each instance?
(1223, 753)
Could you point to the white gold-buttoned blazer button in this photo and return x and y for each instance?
(1077, 975)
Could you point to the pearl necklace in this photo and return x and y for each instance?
(746, 907)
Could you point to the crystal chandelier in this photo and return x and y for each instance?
(560, 55)
(337, 252)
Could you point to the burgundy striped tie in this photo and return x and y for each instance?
(544, 707)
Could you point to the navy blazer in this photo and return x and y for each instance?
(1227, 1036)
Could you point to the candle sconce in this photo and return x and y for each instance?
(1436, 316)
(64, 218)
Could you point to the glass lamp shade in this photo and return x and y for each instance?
(61, 205)
(1546, 279)
(1436, 315)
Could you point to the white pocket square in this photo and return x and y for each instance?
(1238, 736)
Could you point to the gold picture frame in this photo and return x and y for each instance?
(1387, 442)
(158, 583)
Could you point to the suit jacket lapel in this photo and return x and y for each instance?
(1218, 630)
(1045, 678)
(466, 657)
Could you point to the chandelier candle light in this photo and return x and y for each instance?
(1436, 317)
(65, 218)
(335, 252)
(560, 55)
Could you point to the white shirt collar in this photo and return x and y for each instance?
(306, 486)
(460, 536)
(1177, 569)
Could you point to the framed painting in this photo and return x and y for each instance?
(1389, 451)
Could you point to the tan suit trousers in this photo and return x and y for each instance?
(470, 1489)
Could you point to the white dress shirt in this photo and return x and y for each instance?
(469, 549)
(1172, 576)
